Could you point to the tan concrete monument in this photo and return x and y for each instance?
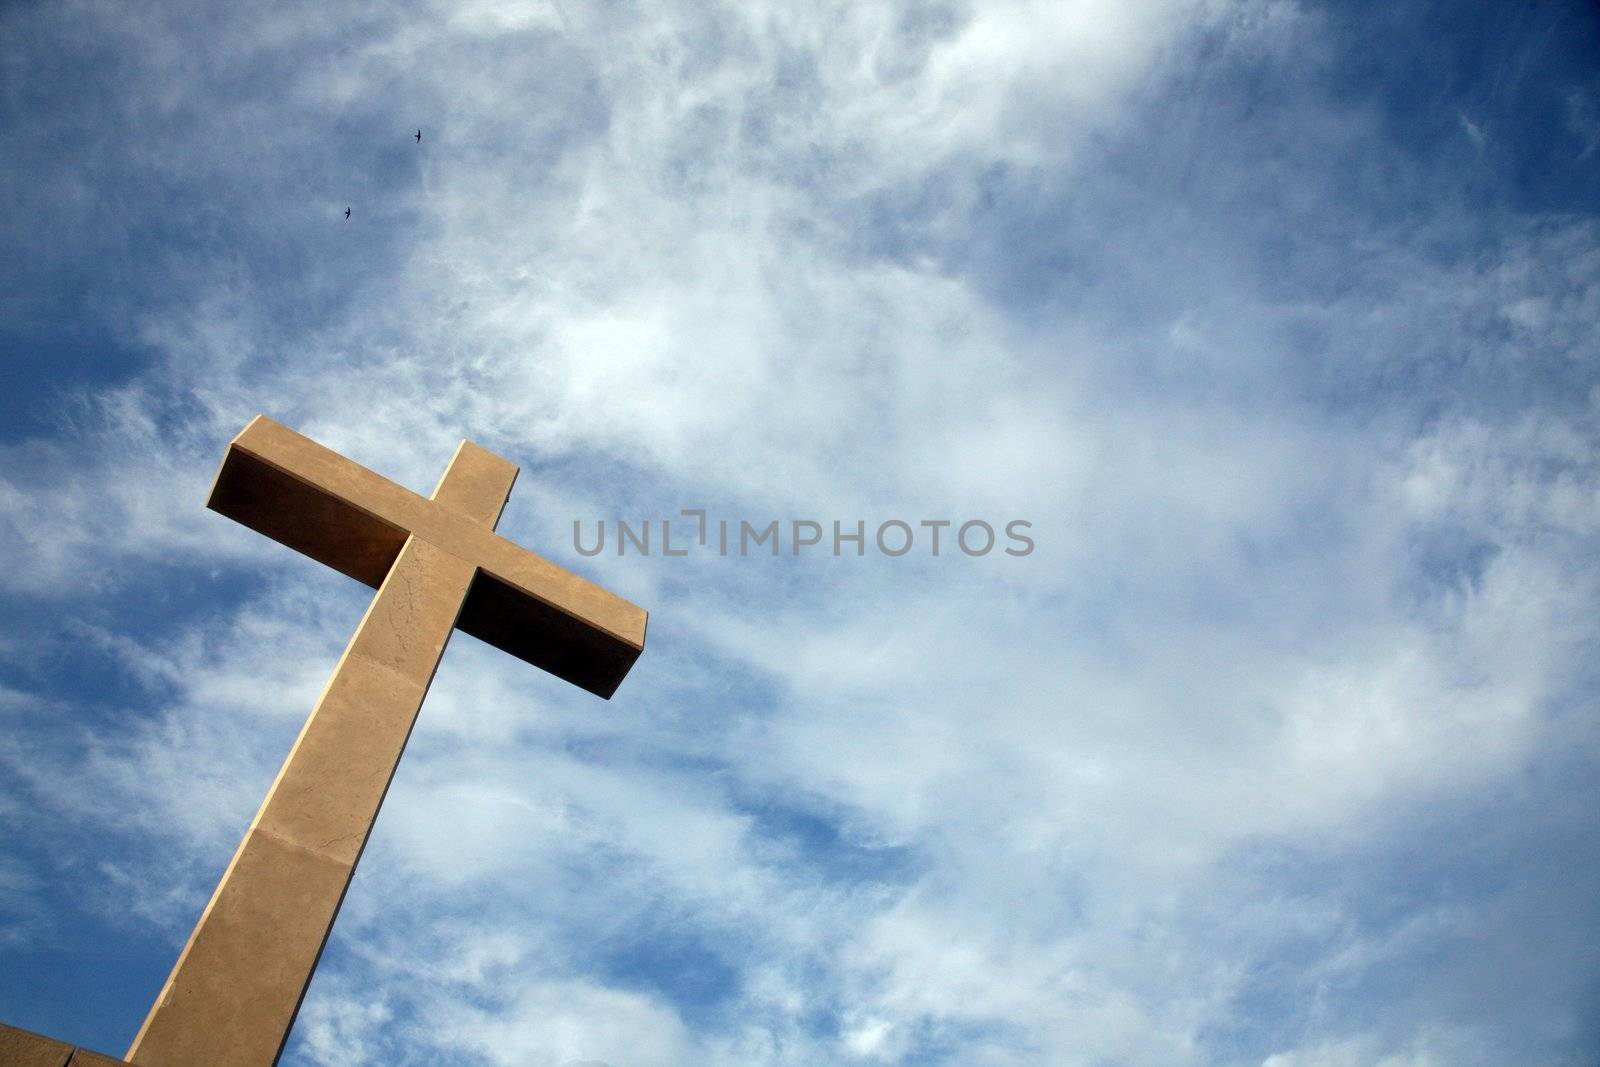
(438, 566)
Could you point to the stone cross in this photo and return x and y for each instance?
(438, 565)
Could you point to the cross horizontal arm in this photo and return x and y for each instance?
(288, 487)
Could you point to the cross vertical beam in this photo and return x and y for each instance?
(238, 983)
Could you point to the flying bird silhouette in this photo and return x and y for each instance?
(346, 212)
(419, 136)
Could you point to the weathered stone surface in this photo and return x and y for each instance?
(235, 990)
(477, 484)
(336, 775)
(237, 985)
(24, 1048)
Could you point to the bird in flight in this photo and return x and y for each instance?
(419, 136)
(346, 212)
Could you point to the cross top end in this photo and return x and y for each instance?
(301, 494)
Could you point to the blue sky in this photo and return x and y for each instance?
(1276, 320)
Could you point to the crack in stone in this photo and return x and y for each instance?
(332, 841)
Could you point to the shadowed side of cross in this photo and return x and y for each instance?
(437, 565)
(314, 500)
